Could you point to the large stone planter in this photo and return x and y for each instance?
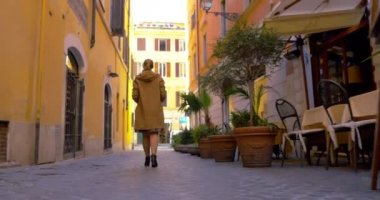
(205, 148)
(187, 148)
(223, 147)
(255, 145)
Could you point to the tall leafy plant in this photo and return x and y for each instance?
(193, 104)
(244, 53)
(240, 118)
(206, 103)
(190, 104)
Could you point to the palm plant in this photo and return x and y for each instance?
(190, 104)
(206, 103)
(193, 104)
(257, 120)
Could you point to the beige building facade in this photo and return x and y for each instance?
(164, 43)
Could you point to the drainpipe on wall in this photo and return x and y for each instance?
(39, 82)
(226, 99)
(198, 60)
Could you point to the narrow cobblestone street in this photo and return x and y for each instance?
(180, 177)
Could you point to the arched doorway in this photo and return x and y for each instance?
(73, 144)
(107, 117)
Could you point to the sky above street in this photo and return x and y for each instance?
(159, 10)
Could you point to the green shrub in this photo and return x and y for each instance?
(186, 137)
(240, 118)
(202, 131)
(176, 139)
(183, 137)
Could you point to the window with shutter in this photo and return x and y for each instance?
(93, 16)
(141, 44)
(204, 50)
(126, 50)
(117, 18)
(156, 67)
(193, 20)
(176, 69)
(162, 69)
(180, 70)
(168, 69)
(162, 44)
(176, 45)
(182, 45)
(177, 99)
(168, 45)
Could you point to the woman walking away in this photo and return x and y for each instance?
(149, 93)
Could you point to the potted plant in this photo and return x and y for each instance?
(200, 135)
(193, 104)
(244, 53)
(182, 140)
(223, 145)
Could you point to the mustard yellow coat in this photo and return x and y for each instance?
(149, 93)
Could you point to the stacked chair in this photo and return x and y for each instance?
(348, 115)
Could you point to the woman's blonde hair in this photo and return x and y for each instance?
(148, 64)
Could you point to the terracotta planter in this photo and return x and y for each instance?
(255, 145)
(223, 147)
(205, 148)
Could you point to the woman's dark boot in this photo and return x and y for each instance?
(147, 161)
(154, 161)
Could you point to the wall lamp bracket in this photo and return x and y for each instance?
(207, 4)
(228, 15)
(113, 74)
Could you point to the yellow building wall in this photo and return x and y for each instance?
(17, 72)
(33, 79)
(16, 62)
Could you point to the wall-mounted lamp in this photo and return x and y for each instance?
(207, 4)
(293, 51)
(110, 73)
(113, 74)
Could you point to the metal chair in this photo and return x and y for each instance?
(294, 131)
(334, 97)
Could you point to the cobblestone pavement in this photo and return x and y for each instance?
(179, 177)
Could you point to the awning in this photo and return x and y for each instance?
(293, 17)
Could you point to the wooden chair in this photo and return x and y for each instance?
(295, 132)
